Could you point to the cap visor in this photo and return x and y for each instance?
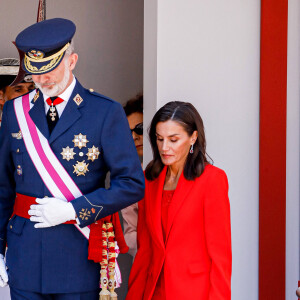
(38, 68)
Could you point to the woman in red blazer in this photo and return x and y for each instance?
(184, 239)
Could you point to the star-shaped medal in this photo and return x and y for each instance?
(80, 140)
(68, 153)
(93, 153)
(80, 168)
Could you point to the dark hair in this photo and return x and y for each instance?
(6, 80)
(188, 117)
(134, 105)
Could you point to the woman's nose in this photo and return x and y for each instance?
(165, 146)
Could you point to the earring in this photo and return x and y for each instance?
(192, 149)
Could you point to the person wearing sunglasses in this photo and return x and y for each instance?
(138, 129)
(137, 133)
(134, 112)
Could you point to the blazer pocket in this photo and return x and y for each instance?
(16, 225)
(197, 268)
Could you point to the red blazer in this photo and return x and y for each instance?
(197, 253)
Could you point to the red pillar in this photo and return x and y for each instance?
(272, 149)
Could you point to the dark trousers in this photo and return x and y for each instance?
(24, 295)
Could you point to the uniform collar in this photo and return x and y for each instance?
(66, 94)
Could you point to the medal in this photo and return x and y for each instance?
(19, 170)
(93, 153)
(80, 140)
(68, 153)
(52, 112)
(80, 168)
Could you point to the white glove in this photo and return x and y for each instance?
(3, 273)
(51, 212)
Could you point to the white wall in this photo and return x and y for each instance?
(292, 180)
(208, 54)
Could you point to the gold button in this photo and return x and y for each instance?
(19, 167)
(18, 150)
(91, 90)
(10, 226)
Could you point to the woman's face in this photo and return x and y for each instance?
(133, 120)
(173, 143)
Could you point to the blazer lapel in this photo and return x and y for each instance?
(154, 205)
(69, 116)
(182, 190)
(38, 116)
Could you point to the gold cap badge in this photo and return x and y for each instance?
(36, 54)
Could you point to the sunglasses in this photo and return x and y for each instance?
(138, 129)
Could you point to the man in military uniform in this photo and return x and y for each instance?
(55, 154)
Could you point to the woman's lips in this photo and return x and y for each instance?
(139, 146)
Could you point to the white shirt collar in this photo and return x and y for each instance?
(66, 94)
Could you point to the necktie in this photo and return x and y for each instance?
(52, 115)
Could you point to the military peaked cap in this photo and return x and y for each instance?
(45, 44)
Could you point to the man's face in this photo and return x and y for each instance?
(55, 82)
(17, 90)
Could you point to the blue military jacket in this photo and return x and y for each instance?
(54, 260)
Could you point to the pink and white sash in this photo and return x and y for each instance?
(53, 174)
(56, 178)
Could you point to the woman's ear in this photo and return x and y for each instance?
(194, 136)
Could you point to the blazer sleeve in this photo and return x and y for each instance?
(139, 271)
(218, 236)
(126, 174)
